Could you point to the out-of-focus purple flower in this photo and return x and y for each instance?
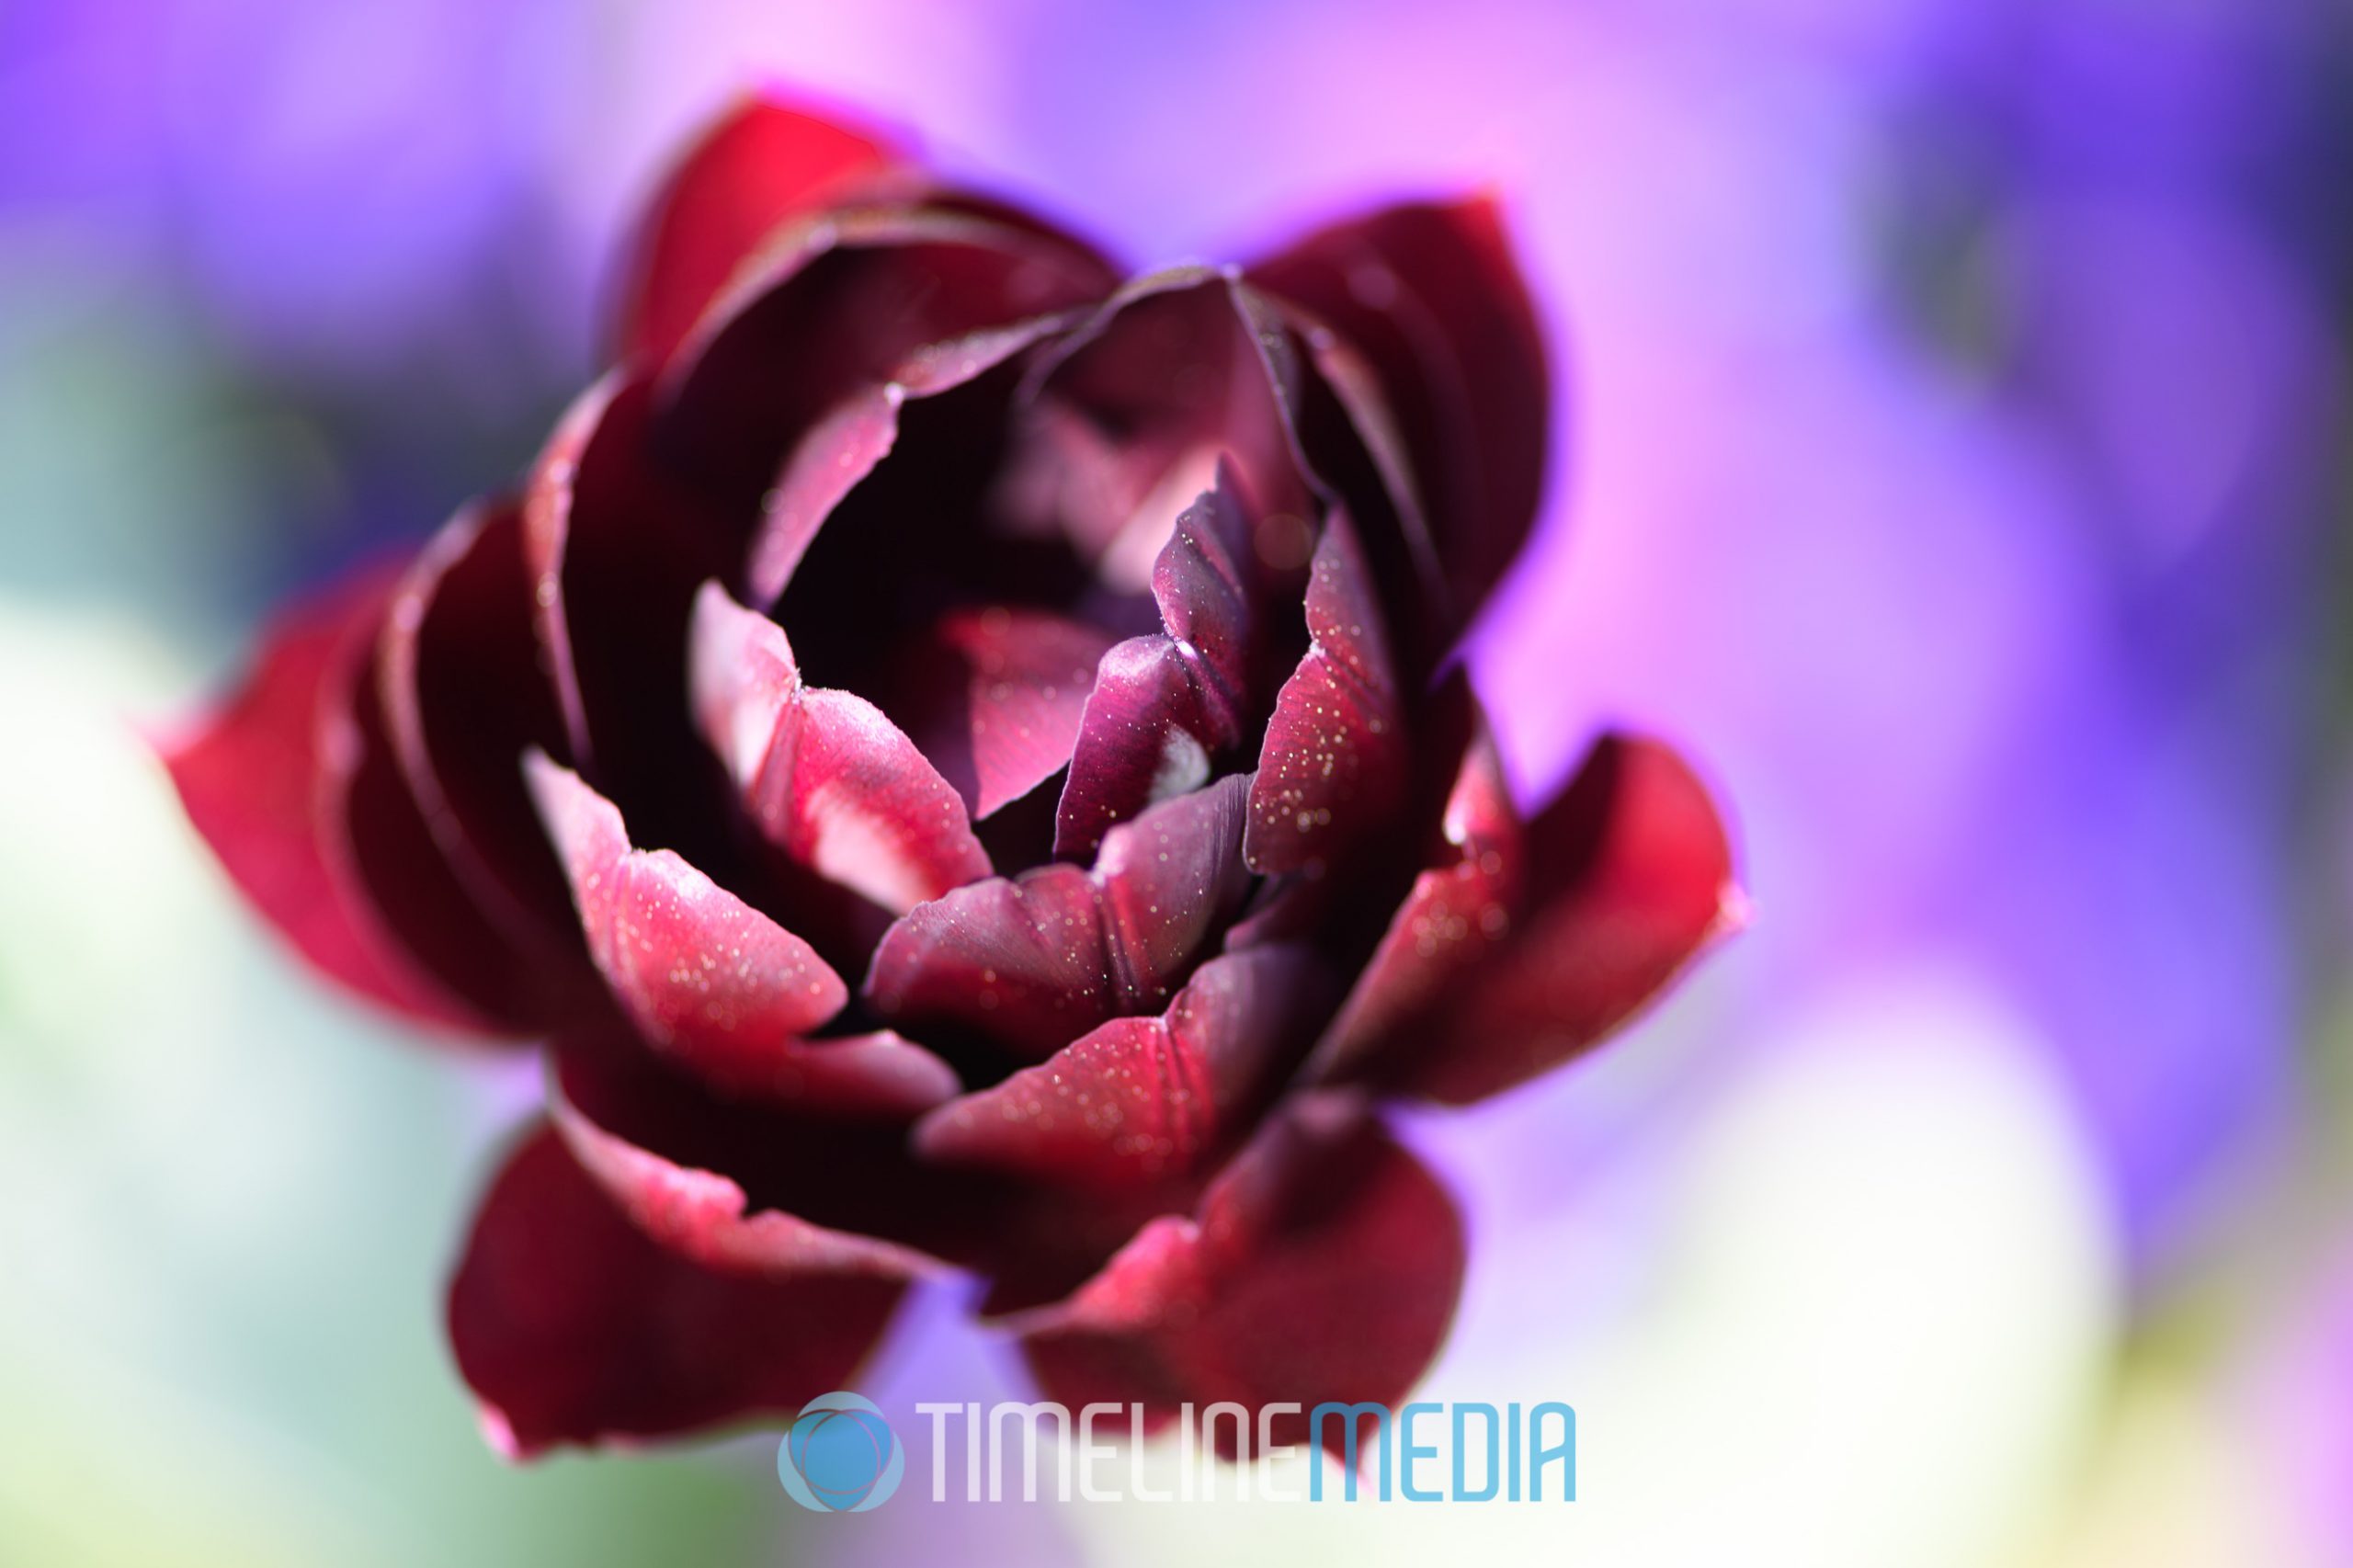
(334, 182)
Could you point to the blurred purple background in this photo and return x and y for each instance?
(1954, 460)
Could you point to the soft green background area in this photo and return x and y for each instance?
(228, 1198)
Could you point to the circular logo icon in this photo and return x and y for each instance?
(840, 1457)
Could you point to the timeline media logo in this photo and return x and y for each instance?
(840, 1456)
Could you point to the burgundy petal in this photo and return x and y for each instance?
(464, 698)
(1164, 707)
(762, 163)
(249, 778)
(680, 1162)
(617, 549)
(1149, 734)
(1323, 1265)
(995, 697)
(1140, 1099)
(1454, 916)
(1333, 766)
(1131, 416)
(838, 450)
(838, 302)
(571, 1326)
(1429, 292)
(846, 443)
(1627, 877)
(747, 1181)
(825, 776)
(1035, 962)
(375, 834)
(714, 983)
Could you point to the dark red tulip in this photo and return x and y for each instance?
(952, 754)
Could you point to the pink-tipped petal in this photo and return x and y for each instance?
(713, 984)
(826, 776)
(1332, 768)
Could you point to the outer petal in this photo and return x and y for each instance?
(762, 163)
(714, 983)
(1508, 959)
(375, 836)
(618, 549)
(745, 1183)
(249, 778)
(1323, 1265)
(1452, 919)
(464, 698)
(572, 1327)
(1034, 962)
(1142, 1100)
(827, 778)
(1332, 767)
(1430, 294)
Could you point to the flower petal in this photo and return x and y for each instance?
(1164, 707)
(763, 161)
(838, 302)
(1323, 1265)
(376, 835)
(571, 1326)
(1494, 971)
(1150, 732)
(848, 441)
(837, 451)
(1142, 1099)
(249, 778)
(715, 984)
(464, 698)
(1034, 962)
(827, 778)
(1430, 294)
(1332, 769)
(617, 549)
(741, 1181)
(995, 697)
(1455, 915)
(1132, 413)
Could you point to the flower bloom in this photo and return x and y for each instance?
(953, 754)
